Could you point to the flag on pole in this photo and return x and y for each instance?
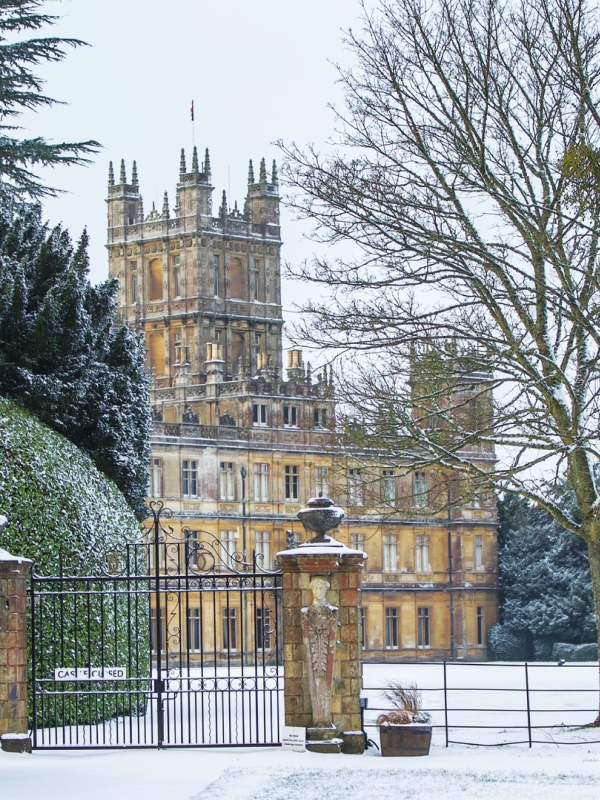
(192, 111)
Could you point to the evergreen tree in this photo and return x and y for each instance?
(61, 357)
(546, 589)
(21, 89)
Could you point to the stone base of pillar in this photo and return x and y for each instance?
(323, 740)
(353, 743)
(320, 734)
(15, 743)
(328, 746)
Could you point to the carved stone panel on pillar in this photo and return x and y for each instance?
(321, 631)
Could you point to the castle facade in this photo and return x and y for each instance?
(239, 445)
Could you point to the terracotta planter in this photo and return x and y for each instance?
(405, 740)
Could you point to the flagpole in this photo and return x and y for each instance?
(193, 125)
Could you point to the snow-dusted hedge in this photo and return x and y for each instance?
(505, 644)
(61, 508)
(55, 499)
(575, 652)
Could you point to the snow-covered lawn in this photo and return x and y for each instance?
(546, 772)
(552, 770)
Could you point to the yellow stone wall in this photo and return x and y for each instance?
(214, 333)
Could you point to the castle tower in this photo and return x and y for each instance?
(189, 278)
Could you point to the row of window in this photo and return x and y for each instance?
(174, 558)
(291, 416)
(259, 289)
(356, 494)
(392, 628)
(422, 564)
(264, 630)
(229, 480)
(230, 630)
(260, 482)
(262, 550)
(424, 620)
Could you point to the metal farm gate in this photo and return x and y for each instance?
(176, 645)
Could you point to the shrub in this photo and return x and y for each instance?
(542, 648)
(406, 705)
(506, 644)
(68, 517)
(575, 652)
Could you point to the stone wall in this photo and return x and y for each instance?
(13, 643)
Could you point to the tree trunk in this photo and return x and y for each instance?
(594, 557)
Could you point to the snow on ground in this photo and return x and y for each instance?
(566, 762)
(546, 771)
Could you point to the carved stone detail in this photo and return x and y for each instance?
(319, 632)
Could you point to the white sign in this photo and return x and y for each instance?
(93, 674)
(293, 739)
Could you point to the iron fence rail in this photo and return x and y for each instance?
(566, 692)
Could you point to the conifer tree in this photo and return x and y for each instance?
(21, 89)
(546, 588)
(61, 356)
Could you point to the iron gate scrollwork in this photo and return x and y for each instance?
(175, 644)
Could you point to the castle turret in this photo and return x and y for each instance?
(194, 192)
(262, 200)
(215, 368)
(124, 205)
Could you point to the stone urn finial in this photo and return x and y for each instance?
(320, 516)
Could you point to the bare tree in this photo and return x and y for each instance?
(467, 174)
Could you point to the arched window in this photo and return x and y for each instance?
(236, 282)
(157, 353)
(155, 280)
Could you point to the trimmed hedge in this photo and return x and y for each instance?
(66, 516)
(505, 644)
(575, 652)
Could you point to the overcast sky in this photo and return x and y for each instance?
(258, 71)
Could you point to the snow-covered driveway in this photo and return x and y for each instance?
(547, 771)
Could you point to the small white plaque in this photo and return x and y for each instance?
(93, 674)
(293, 739)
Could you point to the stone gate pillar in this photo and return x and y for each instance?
(322, 638)
(13, 643)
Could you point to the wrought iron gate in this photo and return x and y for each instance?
(177, 645)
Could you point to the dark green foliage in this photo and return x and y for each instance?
(55, 500)
(20, 89)
(546, 590)
(543, 647)
(505, 644)
(66, 516)
(93, 623)
(61, 359)
(575, 652)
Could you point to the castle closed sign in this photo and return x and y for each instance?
(90, 674)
